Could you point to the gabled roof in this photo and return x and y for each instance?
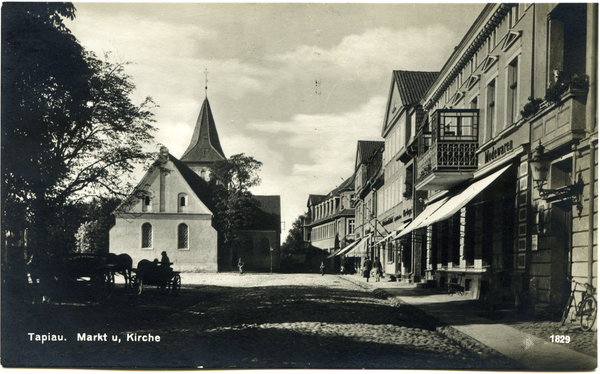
(315, 199)
(365, 150)
(348, 184)
(412, 85)
(205, 137)
(196, 183)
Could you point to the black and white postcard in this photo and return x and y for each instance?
(235, 186)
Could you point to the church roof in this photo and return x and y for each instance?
(196, 183)
(205, 145)
(269, 203)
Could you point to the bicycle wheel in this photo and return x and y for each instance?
(588, 311)
(566, 311)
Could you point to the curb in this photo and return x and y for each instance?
(495, 359)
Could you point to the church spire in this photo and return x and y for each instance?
(204, 146)
(206, 83)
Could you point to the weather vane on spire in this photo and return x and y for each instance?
(206, 82)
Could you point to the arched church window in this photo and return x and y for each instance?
(182, 202)
(182, 236)
(146, 236)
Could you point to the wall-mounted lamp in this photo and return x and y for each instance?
(540, 166)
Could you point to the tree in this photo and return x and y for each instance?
(69, 127)
(232, 202)
(294, 243)
(239, 173)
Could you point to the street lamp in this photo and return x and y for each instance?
(540, 167)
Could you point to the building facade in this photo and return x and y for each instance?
(169, 212)
(330, 224)
(368, 169)
(398, 201)
(524, 75)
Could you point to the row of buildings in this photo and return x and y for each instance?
(486, 173)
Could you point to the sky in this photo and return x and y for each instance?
(294, 85)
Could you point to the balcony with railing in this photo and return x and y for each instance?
(447, 149)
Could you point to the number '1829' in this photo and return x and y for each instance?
(560, 339)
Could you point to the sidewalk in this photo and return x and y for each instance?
(465, 316)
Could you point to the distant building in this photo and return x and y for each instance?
(367, 166)
(169, 212)
(329, 224)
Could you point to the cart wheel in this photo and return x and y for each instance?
(137, 286)
(109, 284)
(175, 285)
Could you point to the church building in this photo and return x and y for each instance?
(168, 211)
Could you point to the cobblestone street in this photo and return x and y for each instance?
(231, 321)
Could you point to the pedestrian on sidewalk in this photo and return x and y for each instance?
(367, 265)
(377, 268)
(322, 267)
(240, 266)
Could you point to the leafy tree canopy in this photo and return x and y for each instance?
(294, 243)
(239, 173)
(232, 202)
(69, 127)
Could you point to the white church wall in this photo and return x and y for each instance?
(200, 256)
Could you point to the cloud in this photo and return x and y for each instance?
(364, 57)
(326, 140)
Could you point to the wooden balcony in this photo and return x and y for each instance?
(447, 154)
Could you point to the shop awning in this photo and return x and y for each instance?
(360, 249)
(419, 221)
(457, 202)
(393, 233)
(335, 253)
(345, 249)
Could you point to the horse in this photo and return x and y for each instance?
(123, 265)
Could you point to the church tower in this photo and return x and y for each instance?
(205, 148)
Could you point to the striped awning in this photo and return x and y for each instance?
(393, 233)
(345, 249)
(360, 249)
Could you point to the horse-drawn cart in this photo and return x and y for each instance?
(90, 271)
(154, 274)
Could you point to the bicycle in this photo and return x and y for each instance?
(586, 309)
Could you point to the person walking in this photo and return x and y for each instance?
(322, 267)
(378, 269)
(367, 268)
(240, 266)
